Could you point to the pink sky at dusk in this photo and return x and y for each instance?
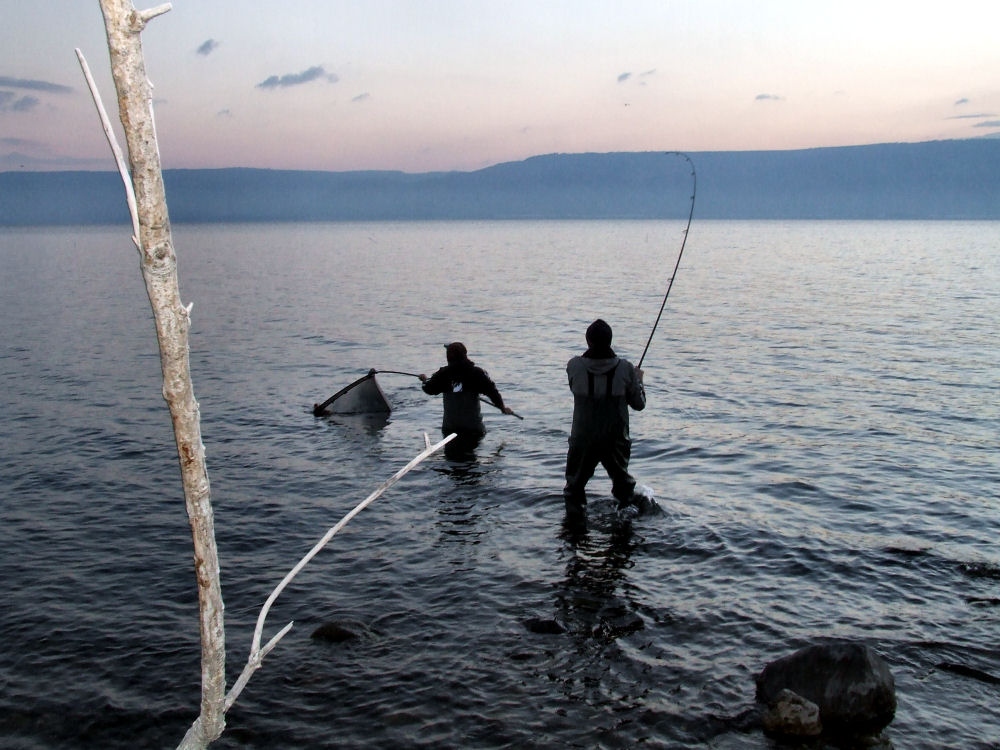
(450, 85)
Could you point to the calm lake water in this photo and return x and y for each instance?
(821, 435)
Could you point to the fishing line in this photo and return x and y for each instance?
(397, 372)
(694, 190)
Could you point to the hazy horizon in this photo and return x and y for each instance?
(12, 163)
(958, 179)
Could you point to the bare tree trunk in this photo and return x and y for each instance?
(148, 206)
(159, 270)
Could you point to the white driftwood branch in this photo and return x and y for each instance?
(115, 148)
(147, 15)
(158, 263)
(257, 653)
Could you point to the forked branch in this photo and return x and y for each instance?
(257, 653)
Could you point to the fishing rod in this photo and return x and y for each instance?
(694, 190)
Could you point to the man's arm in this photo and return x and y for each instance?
(489, 389)
(433, 385)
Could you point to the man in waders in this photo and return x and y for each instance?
(460, 382)
(604, 386)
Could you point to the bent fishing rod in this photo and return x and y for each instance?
(694, 191)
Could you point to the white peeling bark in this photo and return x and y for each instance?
(124, 25)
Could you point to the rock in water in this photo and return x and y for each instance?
(792, 715)
(849, 682)
(542, 626)
(342, 631)
(333, 632)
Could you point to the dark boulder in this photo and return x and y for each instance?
(849, 683)
(792, 715)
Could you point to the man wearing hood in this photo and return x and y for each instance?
(460, 382)
(604, 386)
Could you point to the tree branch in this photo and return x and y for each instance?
(257, 653)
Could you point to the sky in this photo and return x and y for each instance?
(432, 85)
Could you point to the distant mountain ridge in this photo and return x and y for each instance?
(955, 179)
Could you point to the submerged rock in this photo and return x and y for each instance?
(849, 683)
(335, 632)
(967, 671)
(618, 626)
(544, 627)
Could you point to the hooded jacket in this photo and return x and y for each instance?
(604, 387)
(460, 384)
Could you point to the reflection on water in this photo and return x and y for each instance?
(468, 461)
(360, 426)
(590, 603)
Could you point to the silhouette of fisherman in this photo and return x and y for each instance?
(604, 387)
(460, 384)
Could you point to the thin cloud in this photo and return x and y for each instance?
(32, 85)
(768, 98)
(972, 117)
(225, 113)
(361, 97)
(208, 47)
(19, 143)
(645, 75)
(315, 73)
(987, 124)
(11, 102)
(16, 160)
(961, 101)
(638, 78)
(25, 104)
